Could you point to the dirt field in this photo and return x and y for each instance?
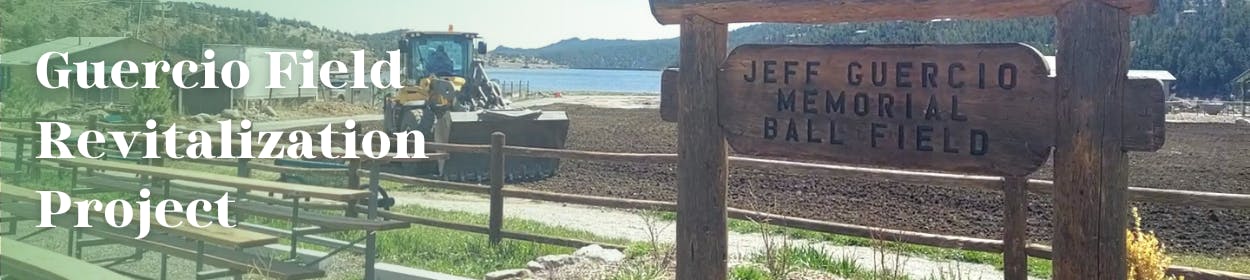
(1206, 157)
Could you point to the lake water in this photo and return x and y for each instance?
(552, 80)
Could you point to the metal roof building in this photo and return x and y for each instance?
(1162, 75)
(71, 45)
(19, 66)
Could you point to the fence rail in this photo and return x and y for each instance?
(985, 183)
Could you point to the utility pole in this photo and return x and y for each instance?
(140, 27)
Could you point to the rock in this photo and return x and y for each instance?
(232, 114)
(509, 274)
(1243, 121)
(204, 118)
(1213, 108)
(270, 111)
(597, 253)
(99, 115)
(553, 261)
(1188, 104)
(534, 266)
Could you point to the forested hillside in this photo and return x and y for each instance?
(177, 26)
(1203, 43)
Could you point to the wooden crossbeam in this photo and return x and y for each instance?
(828, 11)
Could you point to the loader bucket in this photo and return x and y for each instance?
(525, 128)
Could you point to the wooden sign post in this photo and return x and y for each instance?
(1091, 167)
(703, 159)
(979, 109)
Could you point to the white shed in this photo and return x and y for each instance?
(258, 62)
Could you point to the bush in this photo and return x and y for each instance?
(154, 103)
(748, 272)
(1147, 259)
(19, 100)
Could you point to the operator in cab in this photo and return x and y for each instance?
(441, 64)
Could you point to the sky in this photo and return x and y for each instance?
(512, 23)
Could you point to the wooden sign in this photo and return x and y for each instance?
(978, 109)
(1145, 110)
(668, 94)
(1144, 115)
(826, 11)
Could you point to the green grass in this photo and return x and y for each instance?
(748, 272)
(817, 259)
(511, 224)
(1239, 264)
(468, 254)
(796, 259)
(640, 268)
(1037, 267)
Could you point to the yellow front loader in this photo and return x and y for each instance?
(448, 97)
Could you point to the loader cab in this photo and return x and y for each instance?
(438, 53)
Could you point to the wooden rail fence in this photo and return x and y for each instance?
(984, 183)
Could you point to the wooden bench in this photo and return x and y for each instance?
(163, 176)
(214, 233)
(8, 131)
(258, 208)
(180, 247)
(30, 262)
(286, 189)
(320, 204)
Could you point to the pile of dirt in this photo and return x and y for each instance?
(328, 108)
(1201, 157)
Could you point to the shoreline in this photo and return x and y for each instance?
(561, 67)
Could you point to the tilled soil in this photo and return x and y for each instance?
(1200, 157)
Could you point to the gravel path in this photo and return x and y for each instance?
(633, 226)
(604, 101)
(1187, 117)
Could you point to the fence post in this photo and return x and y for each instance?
(93, 124)
(371, 238)
(19, 153)
(1015, 231)
(353, 181)
(157, 182)
(244, 167)
(1244, 105)
(353, 178)
(497, 141)
(33, 167)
